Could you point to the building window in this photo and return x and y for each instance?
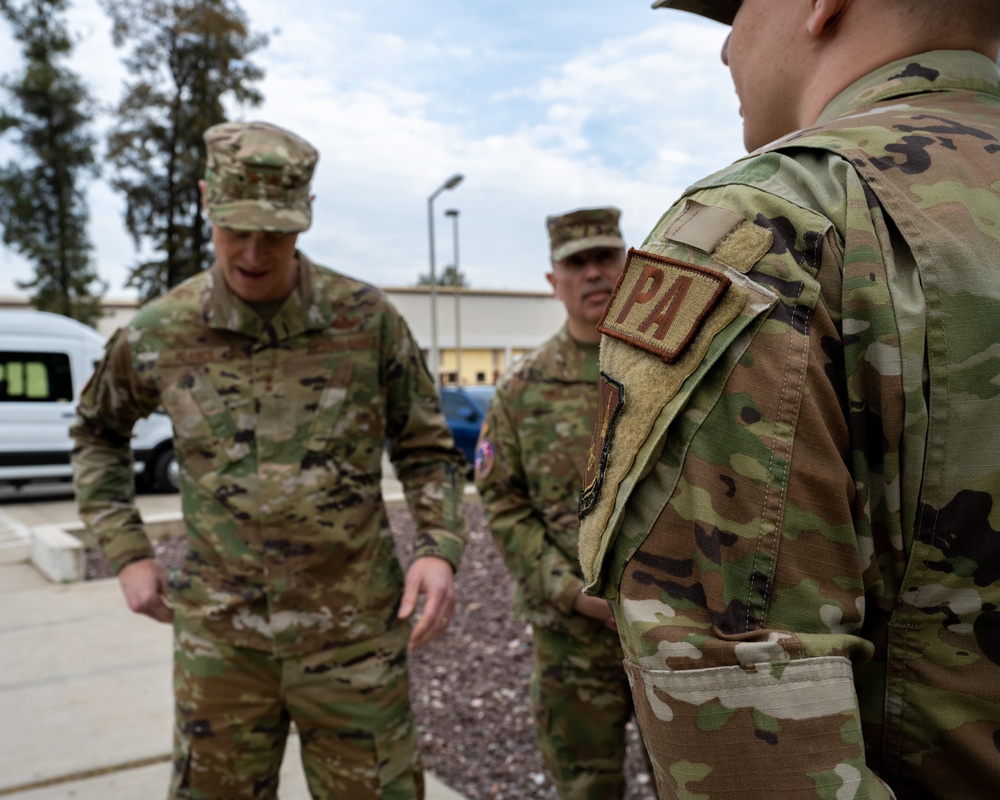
(480, 377)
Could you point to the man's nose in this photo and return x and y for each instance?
(725, 50)
(253, 250)
(592, 270)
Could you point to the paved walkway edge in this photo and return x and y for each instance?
(85, 686)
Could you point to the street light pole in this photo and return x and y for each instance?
(451, 183)
(457, 289)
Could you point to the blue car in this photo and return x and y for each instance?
(464, 409)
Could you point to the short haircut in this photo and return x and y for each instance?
(978, 18)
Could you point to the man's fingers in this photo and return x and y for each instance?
(428, 629)
(411, 591)
(431, 577)
(160, 611)
(144, 584)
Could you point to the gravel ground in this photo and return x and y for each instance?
(470, 688)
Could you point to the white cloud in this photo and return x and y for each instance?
(539, 121)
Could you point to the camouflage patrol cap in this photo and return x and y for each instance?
(257, 177)
(720, 10)
(584, 229)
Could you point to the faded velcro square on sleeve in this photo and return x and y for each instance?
(660, 303)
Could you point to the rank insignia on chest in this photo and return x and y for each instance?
(660, 303)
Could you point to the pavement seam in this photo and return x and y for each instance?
(84, 775)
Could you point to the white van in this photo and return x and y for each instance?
(45, 360)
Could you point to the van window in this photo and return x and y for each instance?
(35, 378)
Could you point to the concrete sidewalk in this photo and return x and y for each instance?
(85, 685)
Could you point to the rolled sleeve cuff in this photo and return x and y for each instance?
(440, 543)
(569, 591)
(126, 550)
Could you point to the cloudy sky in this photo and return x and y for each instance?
(543, 106)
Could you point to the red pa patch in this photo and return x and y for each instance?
(660, 304)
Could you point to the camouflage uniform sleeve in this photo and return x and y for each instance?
(733, 531)
(543, 574)
(421, 448)
(103, 477)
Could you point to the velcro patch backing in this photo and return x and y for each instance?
(660, 304)
(701, 226)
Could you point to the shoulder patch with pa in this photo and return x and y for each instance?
(660, 304)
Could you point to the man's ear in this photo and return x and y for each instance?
(551, 278)
(823, 16)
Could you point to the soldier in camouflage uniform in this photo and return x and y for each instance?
(284, 382)
(530, 463)
(793, 505)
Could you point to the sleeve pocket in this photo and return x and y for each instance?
(777, 730)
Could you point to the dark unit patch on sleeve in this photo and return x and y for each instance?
(612, 400)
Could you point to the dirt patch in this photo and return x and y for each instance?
(470, 688)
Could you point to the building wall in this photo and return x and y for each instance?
(493, 327)
(477, 366)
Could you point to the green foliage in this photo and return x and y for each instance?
(43, 208)
(187, 57)
(449, 276)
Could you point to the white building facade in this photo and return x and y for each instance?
(479, 332)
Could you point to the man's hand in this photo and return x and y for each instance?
(595, 608)
(432, 577)
(145, 586)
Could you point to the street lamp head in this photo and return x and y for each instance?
(453, 181)
(451, 212)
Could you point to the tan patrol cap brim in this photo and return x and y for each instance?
(720, 10)
(590, 243)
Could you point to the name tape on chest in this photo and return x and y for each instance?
(660, 304)
(194, 356)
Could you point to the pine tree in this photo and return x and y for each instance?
(43, 206)
(449, 276)
(187, 56)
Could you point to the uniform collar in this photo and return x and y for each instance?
(299, 313)
(934, 71)
(575, 359)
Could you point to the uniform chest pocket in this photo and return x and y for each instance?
(205, 432)
(322, 432)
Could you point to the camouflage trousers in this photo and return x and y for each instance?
(350, 706)
(581, 703)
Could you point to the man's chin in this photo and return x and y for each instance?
(596, 306)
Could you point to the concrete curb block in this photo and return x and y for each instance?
(15, 540)
(57, 551)
(57, 554)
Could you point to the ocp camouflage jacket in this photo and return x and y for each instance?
(279, 430)
(537, 432)
(797, 515)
